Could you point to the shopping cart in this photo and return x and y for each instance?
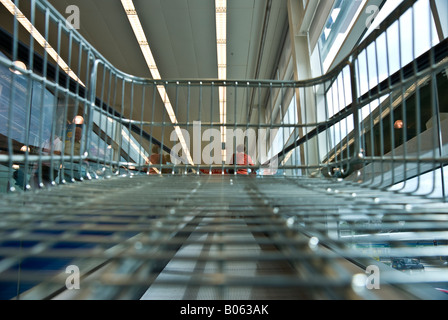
(359, 184)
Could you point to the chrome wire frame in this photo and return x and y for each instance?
(344, 193)
(343, 122)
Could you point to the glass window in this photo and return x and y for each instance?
(28, 121)
(391, 51)
(339, 23)
(15, 127)
(283, 134)
(398, 46)
(43, 106)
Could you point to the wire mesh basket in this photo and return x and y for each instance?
(351, 205)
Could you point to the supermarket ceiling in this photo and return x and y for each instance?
(182, 36)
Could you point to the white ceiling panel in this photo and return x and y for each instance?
(182, 37)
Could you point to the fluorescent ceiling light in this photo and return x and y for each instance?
(221, 49)
(11, 7)
(136, 25)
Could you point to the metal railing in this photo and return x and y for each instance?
(373, 125)
(374, 117)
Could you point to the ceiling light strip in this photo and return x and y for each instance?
(137, 28)
(221, 49)
(12, 8)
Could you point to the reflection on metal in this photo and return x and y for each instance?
(89, 222)
(221, 237)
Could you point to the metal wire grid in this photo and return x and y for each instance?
(129, 231)
(25, 103)
(216, 237)
(374, 118)
(344, 124)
